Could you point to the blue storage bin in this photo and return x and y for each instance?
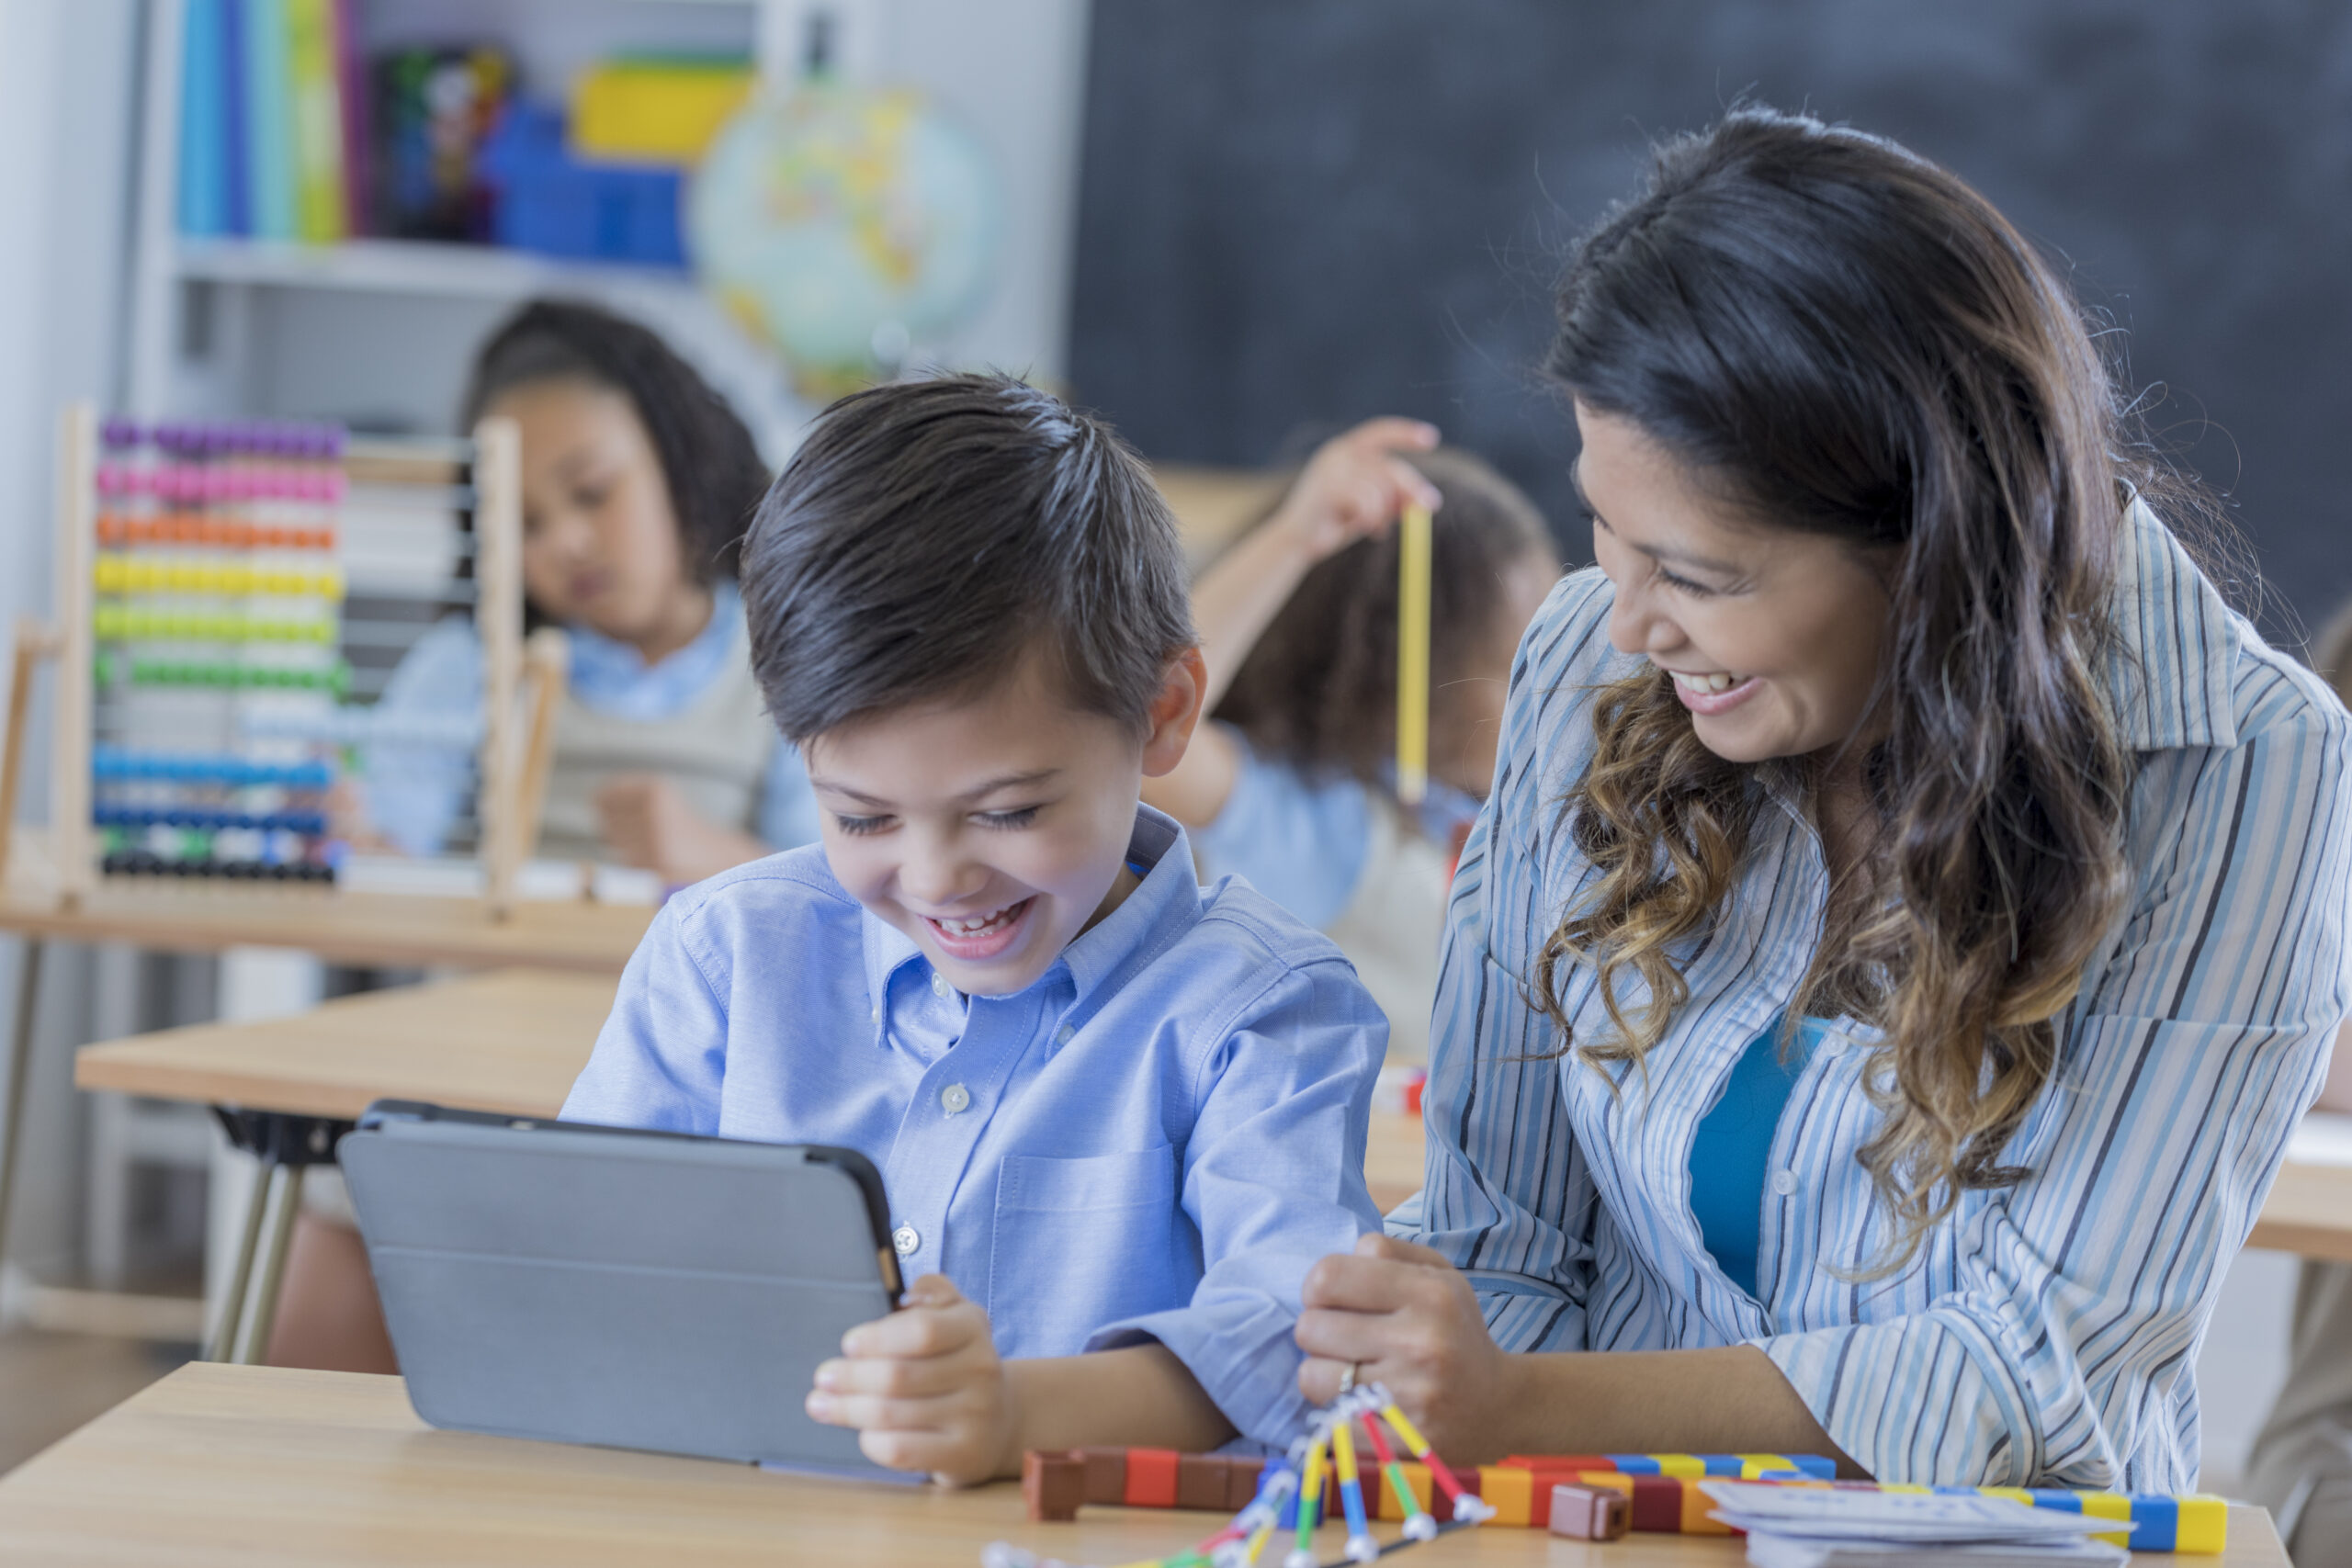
(552, 202)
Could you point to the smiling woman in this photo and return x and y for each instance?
(1909, 914)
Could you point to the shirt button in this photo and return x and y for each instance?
(1784, 1182)
(939, 986)
(905, 1239)
(956, 1098)
(1064, 1035)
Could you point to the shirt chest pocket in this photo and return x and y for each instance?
(1082, 1243)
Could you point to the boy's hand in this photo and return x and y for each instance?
(925, 1388)
(1356, 485)
(647, 822)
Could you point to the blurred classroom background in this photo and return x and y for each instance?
(1235, 228)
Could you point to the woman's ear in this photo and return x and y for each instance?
(1175, 709)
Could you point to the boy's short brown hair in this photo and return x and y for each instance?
(929, 534)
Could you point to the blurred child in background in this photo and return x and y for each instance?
(1293, 786)
(638, 483)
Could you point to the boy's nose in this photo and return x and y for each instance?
(936, 880)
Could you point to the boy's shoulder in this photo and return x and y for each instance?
(793, 890)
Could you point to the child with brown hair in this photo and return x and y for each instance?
(1291, 786)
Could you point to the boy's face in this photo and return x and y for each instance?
(993, 830)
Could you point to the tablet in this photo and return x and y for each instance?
(631, 1289)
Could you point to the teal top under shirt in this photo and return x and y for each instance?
(1734, 1144)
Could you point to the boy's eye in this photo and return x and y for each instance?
(1020, 818)
(1674, 580)
(855, 825)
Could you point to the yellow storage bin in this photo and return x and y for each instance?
(654, 111)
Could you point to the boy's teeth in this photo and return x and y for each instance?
(977, 923)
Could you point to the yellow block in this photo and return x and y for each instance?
(664, 112)
(1688, 1467)
(1753, 1465)
(1696, 1506)
(1912, 1486)
(2014, 1494)
(2109, 1506)
(2203, 1525)
(1511, 1491)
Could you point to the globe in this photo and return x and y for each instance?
(844, 226)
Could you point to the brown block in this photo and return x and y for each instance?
(1241, 1482)
(1051, 1484)
(1589, 1512)
(1201, 1482)
(1107, 1475)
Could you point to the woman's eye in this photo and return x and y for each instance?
(856, 825)
(1021, 819)
(590, 498)
(1684, 584)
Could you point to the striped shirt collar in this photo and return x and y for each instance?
(2170, 670)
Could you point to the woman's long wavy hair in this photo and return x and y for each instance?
(1848, 341)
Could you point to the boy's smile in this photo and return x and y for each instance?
(993, 830)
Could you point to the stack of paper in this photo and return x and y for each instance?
(1807, 1527)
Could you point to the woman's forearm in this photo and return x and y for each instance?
(1730, 1399)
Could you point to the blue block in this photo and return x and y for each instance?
(2155, 1522)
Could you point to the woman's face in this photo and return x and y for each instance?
(600, 538)
(1772, 635)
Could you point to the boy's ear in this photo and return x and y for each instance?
(1175, 709)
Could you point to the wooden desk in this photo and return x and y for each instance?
(259, 1466)
(367, 929)
(512, 1040)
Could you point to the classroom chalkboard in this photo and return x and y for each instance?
(1297, 213)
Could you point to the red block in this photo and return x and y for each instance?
(1200, 1481)
(1657, 1504)
(1051, 1484)
(1151, 1478)
(1107, 1475)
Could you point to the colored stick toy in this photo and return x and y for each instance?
(1413, 654)
(1289, 1491)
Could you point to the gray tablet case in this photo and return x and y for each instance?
(635, 1290)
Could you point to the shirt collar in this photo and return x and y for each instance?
(2171, 670)
(1161, 908)
(605, 669)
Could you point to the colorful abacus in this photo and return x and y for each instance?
(205, 708)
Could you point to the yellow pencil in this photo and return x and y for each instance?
(1413, 654)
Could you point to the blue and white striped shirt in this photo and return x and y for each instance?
(2046, 1332)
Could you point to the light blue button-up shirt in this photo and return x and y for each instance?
(1154, 1140)
(2047, 1331)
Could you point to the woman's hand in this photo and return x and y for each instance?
(925, 1388)
(647, 822)
(1409, 1320)
(1355, 486)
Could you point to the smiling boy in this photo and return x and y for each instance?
(1118, 1115)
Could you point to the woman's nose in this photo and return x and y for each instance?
(1637, 627)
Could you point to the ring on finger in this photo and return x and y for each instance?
(1348, 1379)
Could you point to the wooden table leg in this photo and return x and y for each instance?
(19, 1076)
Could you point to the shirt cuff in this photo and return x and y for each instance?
(1241, 1352)
(1925, 1398)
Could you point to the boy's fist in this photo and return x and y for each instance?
(923, 1387)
